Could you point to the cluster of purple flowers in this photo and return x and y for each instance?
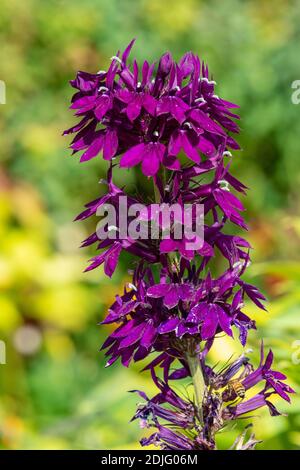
(181, 413)
(167, 118)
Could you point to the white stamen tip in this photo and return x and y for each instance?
(227, 153)
(177, 88)
(216, 96)
(131, 286)
(101, 71)
(224, 185)
(156, 134)
(200, 100)
(114, 57)
(103, 88)
(188, 124)
(238, 264)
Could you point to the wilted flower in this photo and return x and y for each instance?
(176, 417)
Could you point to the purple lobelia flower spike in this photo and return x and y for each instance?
(166, 119)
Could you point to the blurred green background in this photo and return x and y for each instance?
(54, 390)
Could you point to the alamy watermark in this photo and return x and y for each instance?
(2, 92)
(2, 352)
(153, 222)
(295, 97)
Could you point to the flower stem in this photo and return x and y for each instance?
(198, 382)
(156, 193)
(192, 358)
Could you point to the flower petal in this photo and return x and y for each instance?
(133, 336)
(210, 323)
(169, 325)
(93, 149)
(149, 335)
(110, 145)
(224, 320)
(133, 109)
(133, 156)
(159, 290)
(149, 103)
(152, 156)
(189, 149)
(171, 298)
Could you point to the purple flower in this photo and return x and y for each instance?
(258, 401)
(177, 414)
(174, 309)
(150, 155)
(211, 316)
(273, 378)
(171, 293)
(149, 116)
(136, 101)
(169, 245)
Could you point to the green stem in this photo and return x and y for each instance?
(156, 193)
(198, 382)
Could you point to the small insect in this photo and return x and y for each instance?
(235, 389)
